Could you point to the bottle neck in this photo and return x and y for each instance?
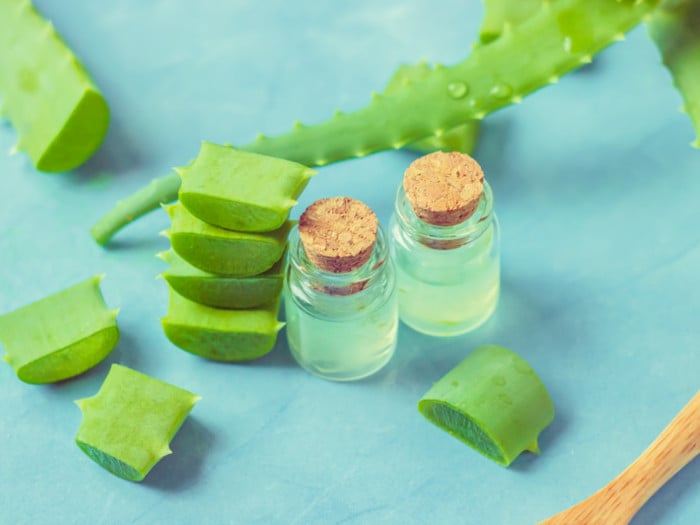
(314, 279)
(444, 237)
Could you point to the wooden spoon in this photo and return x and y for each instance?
(619, 500)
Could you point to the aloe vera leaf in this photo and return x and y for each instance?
(241, 191)
(501, 15)
(225, 252)
(461, 138)
(158, 192)
(222, 291)
(128, 425)
(560, 37)
(675, 27)
(60, 116)
(60, 336)
(221, 335)
(493, 401)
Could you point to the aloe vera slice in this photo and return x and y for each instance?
(222, 291)
(221, 251)
(127, 426)
(241, 191)
(60, 336)
(493, 401)
(59, 114)
(221, 335)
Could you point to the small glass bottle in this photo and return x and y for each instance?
(340, 291)
(446, 245)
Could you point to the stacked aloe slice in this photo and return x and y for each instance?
(226, 267)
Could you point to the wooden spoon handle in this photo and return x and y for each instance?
(675, 447)
(619, 500)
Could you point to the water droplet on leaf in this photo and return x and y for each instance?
(457, 89)
(501, 90)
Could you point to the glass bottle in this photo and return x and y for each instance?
(448, 275)
(341, 312)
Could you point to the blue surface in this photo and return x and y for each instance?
(597, 192)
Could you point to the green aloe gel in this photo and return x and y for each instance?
(448, 276)
(342, 317)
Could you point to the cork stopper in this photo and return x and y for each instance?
(444, 188)
(338, 234)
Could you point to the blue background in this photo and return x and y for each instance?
(597, 192)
